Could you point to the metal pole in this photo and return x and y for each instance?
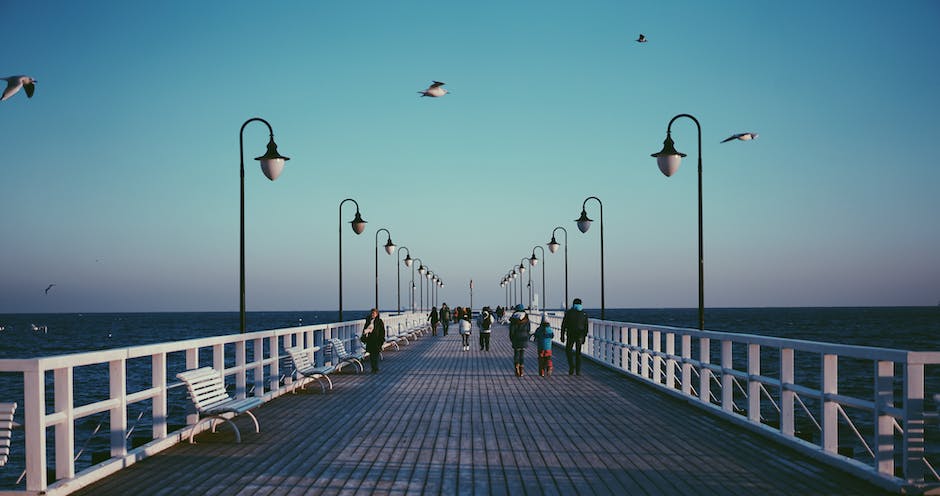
(243, 319)
(341, 253)
(377, 263)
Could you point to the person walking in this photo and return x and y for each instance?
(543, 343)
(445, 317)
(433, 318)
(373, 336)
(519, 335)
(486, 324)
(465, 327)
(575, 325)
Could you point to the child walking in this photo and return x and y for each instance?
(543, 342)
(465, 327)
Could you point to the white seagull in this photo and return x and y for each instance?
(641, 39)
(740, 136)
(14, 83)
(435, 90)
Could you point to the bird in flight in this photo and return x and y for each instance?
(48, 288)
(740, 136)
(14, 83)
(641, 39)
(435, 90)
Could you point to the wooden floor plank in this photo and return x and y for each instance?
(440, 420)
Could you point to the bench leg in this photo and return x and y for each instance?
(213, 419)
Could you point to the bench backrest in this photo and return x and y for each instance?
(339, 349)
(206, 387)
(6, 430)
(300, 357)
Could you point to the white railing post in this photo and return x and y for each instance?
(64, 431)
(159, 406)
(657, 358)
(34, 418)
(118, 389)
(645, 354)
(787, 396)
(705, 374)
(727, 379)
(914, 445)
(686, 366)
(884, 423)
(753, 385)
(830, 409)
(192, 362)
(257, 347)
(624, 339)
(241, 360)
(670, 361)
(275, 363)
(634, 352)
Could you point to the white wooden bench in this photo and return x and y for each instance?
(343, 357)
(308, 369)
(207, 391)
(6, 430)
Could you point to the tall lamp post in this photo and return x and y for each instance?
(584, 223)
(553, 247)
(272, 163)
(407, 262)
(429, 275)
(522, 269)
(533, 261)
(669, 160)
(421, 271)
(358, 225)
(389, 248)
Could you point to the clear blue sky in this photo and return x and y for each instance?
(120, 176)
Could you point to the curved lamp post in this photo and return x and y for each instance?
(389, 248)
(669, 160)
(522, 269)
(407, 261)
(533, 262)
(428, 275)
(358, 225)
(272, 163)
(553, 247)
(584, 223)
(421, 271)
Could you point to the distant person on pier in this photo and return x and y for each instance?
(433, 317)
(486, 324)
(519, 335)
(543, 343)
(373, 336)
(465, 327)
(575, 325)
(445, 317)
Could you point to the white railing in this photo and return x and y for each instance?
(251, 361)
(887, 417)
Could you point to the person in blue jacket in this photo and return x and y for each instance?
(543, 343)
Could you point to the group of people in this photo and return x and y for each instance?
(574, 327)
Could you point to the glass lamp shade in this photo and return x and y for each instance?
(668, 159)
(422, 269)
(389, 246)
(521, 268)
(553, 245)
(514, 272)
(358, 225)
(408, 260)
(533, 261)
(272, 162)
(429, 274)
(584, 223)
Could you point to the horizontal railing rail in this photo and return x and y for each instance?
(251, 361)
(811, 406)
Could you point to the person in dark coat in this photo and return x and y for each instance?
(373, 335)
(433, 318)
(519, 335)
(575, 325)
(445, 317)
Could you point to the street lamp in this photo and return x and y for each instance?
(428, 275)
(533, 261)
(272, 163)
(553, 247)
(358, 225)
(584, 223)
(669, 160)
(421, 271)
(398, 271)
(389, 248)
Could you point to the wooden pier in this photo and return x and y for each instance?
(440, 420)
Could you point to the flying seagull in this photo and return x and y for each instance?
(14, 83)
(48, 288)
(740, 136)
(641, 39)
(435, 90)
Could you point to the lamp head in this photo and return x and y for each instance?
(358, 225)
(553, 245)
(429, 274)
(668, 158)
(408, 260)
(533, 261)
(422, 269)
(521, 268)
(584, 223)
(389, 246)
(272, 162)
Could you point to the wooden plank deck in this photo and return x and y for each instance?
(438, 420)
